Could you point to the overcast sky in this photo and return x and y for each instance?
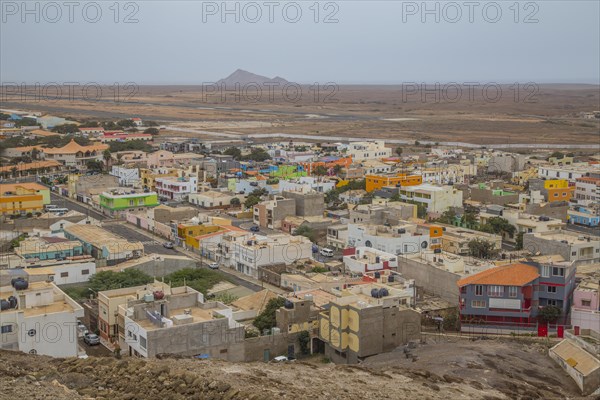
(186, 42)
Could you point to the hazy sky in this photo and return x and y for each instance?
(186, 42)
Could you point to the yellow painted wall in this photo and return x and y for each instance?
(556, 183)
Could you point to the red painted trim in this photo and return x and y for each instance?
(552, 284)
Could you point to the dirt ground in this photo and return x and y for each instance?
(551, 114)
(484, 369)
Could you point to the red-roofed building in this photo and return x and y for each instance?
(508, 298)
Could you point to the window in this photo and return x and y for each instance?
(495, 291)
(551, 289)
(545, 271)
(586, 303)
(558, 271)
(478, 290)
(85, 272)
(6, 329)
(478, 304)
(512, 291)
(551, 302)
(574, 253)
(143, 342)
(64, 274)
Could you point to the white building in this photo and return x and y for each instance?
(177, 189)
(42, 321)
(63, 272)
(306, 184)
(400, 239)
(587, 190)
(211, 199)
(127, 176)
(368, 150)
(436, 198)
(569, 172)
(366, 259)
(248, 253)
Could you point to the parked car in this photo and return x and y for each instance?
(213, 266)
(168, 245)
(91, 339)
(282, 359)
(326, 252)
(254, 228)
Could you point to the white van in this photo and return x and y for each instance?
(326, 252)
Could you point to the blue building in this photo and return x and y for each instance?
(588, 216)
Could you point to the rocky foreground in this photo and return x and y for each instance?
(25, 376)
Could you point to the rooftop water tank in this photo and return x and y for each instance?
(12, 300)
(308, 297)
(158, 295)
(383, 292)
(148, 297)
(377, 275)
(21, 284)
(391, 278)
(288, 304)
(375, 293)
(4, 305)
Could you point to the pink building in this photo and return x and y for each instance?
(585, 311)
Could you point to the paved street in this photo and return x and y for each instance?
(73, 205)
(150, 245)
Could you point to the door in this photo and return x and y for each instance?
(266, 355)
(291, 352)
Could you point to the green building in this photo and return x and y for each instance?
(119, 202)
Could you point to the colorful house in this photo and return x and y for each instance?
(374, 182)
(22, 198)
(188, 233)
(558, 190)
(117, 202)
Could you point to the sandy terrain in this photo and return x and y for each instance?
(550, 115)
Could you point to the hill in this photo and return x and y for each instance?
(242, 78)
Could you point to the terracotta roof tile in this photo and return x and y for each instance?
(507, 275)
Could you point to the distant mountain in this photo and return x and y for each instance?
(243, 78)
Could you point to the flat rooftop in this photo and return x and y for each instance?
(198, 315)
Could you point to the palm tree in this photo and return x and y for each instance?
(107, 157)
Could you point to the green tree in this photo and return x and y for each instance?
(448, 217)
(257, 154)
(26, 122)
(201, 279)
(320, 171)
(235, 152)
(251, 201)
(126, 123)
(399, 151)
(94, 165)
(151, 131)
(482, 248)
(337, 169)
(519, 241)
(498, 226)
(107, 280)
(235, 202)
(66, 128)
(549, 313)
(266, 319)
(304, 342)
(306, 231)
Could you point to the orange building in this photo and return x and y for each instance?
(374, 182)
(309, 167)
(20, 198)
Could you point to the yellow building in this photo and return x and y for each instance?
(148, 176)
(22, 198)
(189, 233)
(359, 325)
(374, 182)
(558, 190)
